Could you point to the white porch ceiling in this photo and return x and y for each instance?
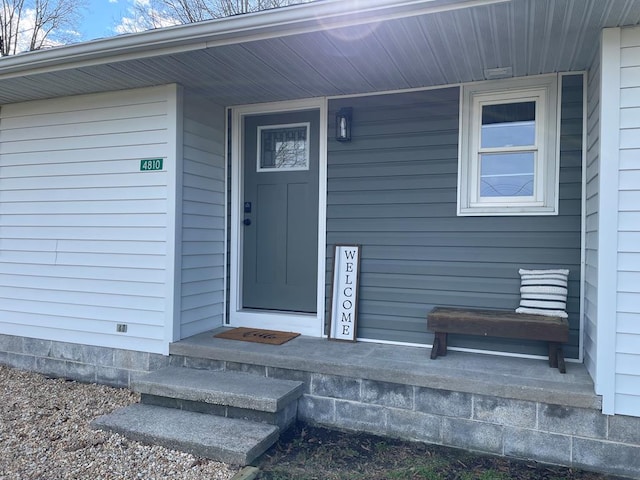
(531, 36)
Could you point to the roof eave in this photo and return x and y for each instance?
(302, 18)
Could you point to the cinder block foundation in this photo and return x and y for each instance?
(548, 431)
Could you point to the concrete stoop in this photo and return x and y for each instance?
(227, 416)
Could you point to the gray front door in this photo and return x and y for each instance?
(280, 211)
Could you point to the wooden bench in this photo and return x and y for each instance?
(499, 323)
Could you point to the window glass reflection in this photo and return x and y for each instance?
(508, 125)
(284, 148)
(507, 174)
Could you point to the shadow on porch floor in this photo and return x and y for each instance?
(508, 377)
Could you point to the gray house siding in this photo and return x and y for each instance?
(203, 216)
(393, 190)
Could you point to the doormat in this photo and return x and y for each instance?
(272, 337)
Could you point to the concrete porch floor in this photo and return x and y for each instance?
(507, 377)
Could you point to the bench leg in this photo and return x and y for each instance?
(442, 344)
(556, 357)
(553, 354)
(439, 345)
(435, 348)
(561, 366)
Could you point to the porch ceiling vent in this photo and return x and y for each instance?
(501, 72)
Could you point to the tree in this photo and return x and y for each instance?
(27, 25)
(150, 14)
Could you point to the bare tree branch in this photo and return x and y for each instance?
(160, 13)
(9, 22)
(35, 24)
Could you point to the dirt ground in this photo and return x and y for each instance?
(313, 453)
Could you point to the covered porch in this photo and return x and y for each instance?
(472, 373)
(127, 262)
(508, 406)
(395, 189)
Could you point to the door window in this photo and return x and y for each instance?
(283, 147)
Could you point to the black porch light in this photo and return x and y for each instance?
(343, 124)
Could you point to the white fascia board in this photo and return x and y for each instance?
(279, 22)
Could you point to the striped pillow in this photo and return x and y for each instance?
(543, 292)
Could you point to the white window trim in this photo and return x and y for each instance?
(544, 91)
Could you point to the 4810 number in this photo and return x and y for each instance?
(151, 164)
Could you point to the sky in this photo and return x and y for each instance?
(102, 17)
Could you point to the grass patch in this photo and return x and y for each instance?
(312, 453)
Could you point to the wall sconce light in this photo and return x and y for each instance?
(343, 124)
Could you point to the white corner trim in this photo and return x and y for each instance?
(228, 128)
(583, 215)
(174, 166)
(608, 218)
(322, 212)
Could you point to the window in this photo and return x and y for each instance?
(509, 156)
(283, 147)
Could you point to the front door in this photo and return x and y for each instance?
(279, 213)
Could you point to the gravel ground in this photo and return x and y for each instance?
(45, 435)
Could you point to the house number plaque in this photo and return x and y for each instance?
(151, 165)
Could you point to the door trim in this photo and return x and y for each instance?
(305, 324)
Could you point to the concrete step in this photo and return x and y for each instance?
(227, 440)
(223, 393)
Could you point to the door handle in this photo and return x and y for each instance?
(247, 221)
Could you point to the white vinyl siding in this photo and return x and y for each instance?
(627, 379)
(84, 243)
(204, 216)
(591, 218)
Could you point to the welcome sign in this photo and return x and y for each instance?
(344, 300)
